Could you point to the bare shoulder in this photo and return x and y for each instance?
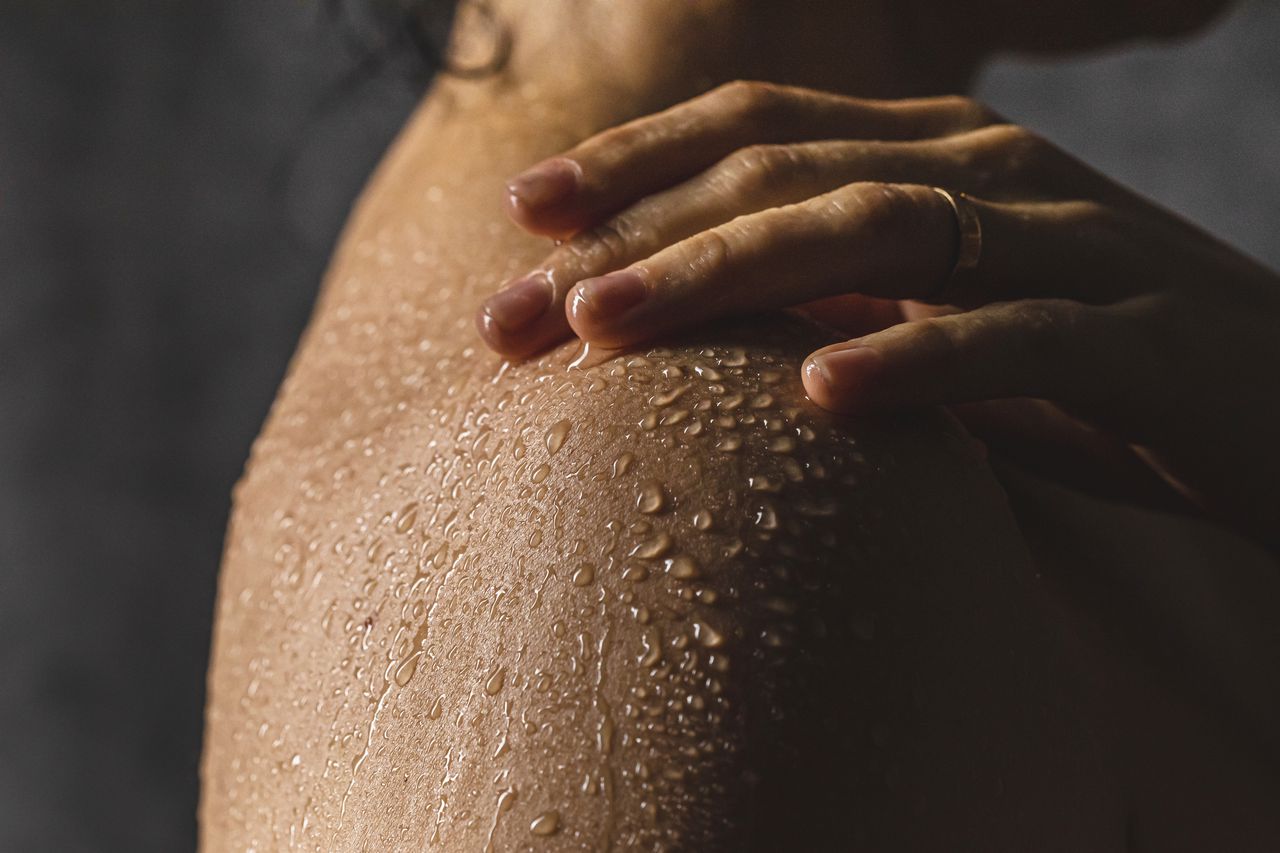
(658, 603)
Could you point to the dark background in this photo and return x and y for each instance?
(172, 177)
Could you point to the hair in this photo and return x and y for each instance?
(389, 39)
(409, 38)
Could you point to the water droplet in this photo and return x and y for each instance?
(762, 401)
(496, 681)
(622, 464)
(707, 636)
(730, 444)
(651, 498)
(547, 823)
(556, 436)
(652, 548)
(766, 517)
(584, 575)
(702, 520)
(408, 515)
(668, 397)
(404, 672)
(540, 473)
(652, 650)
(682, 567)
(634, 573)
(783, 444)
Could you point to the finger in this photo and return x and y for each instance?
(603, 174)
(1042, 438)
(519, 321)
(523, 317)
(895, 241)
(1062, 350)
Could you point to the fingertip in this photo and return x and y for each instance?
(517, 321)
(841, 379)
(596, 306)
(540, 199)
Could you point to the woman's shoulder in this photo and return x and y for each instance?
(616, 598)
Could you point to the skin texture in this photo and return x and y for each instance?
(755, 197)
(657, 600)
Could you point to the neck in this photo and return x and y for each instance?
(587, 64)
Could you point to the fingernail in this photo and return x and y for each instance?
(607, 297)
(545, 185)
(844, 371)
(520, 302)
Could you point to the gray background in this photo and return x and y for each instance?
(172, 176)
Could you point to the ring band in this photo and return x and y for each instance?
(969, 227)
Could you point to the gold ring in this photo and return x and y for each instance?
(969, 227)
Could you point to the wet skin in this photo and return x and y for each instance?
(660, 601)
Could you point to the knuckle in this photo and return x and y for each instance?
(710, 253)
(623, 137)
(605, 246)
(1018, 149)
(1052, 329)
(760, 168)
(879, 209)
(968, 112)
(747, 99)
(936, 336)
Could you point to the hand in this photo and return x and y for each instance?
(1140, 331)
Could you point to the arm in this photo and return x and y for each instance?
(673, 606)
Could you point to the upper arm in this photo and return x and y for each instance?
(691, 611)
(661, 603)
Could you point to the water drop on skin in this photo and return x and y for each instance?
(766, 517)
(556, 436)
(674, 417)
(707, 636)
(404, 672)
(408, 516)
(635, 573)
(622, 464)
(667, 398)
(702, 520)
(547, 823)
(653, 548)
(730, 444)
(783, 444)
(651, 498)
(682, 567)
(494, 685)
(584, 575)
